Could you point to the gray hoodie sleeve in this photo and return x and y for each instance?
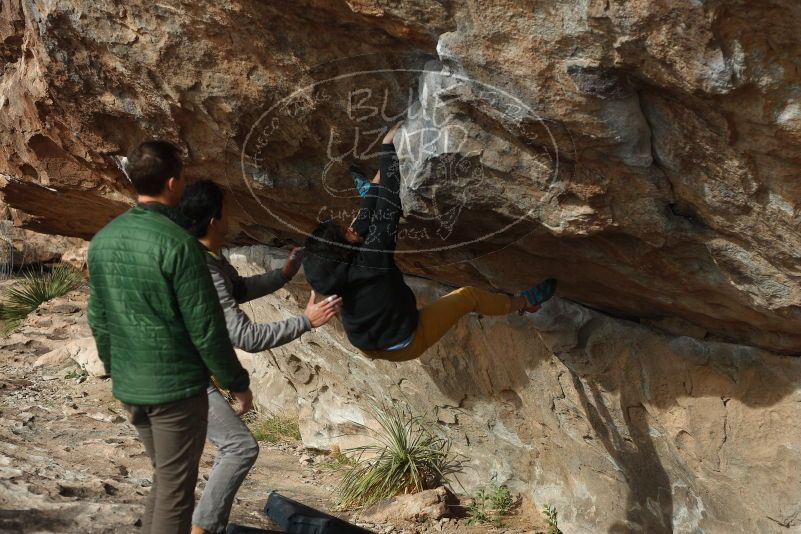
(244, 333)
(247, 288)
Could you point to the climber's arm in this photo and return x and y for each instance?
(383, 230)
(389, 169)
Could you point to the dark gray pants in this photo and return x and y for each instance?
(173, 435)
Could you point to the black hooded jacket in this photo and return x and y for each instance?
(378, 309)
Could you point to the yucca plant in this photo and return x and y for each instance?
(8, 320)
(408, 458)
(11, 314)
(33, 289)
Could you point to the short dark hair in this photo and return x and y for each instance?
(151, 164)
(326, 241)
(327, 259)
(201, 202)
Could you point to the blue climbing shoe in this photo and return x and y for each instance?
(540, 293)
(362, 184)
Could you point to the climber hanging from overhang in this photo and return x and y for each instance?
(379, 311)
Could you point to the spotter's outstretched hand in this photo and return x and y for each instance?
(319, 313)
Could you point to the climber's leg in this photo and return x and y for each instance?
(442, 314)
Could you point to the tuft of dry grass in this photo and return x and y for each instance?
(337, 460)
(273, 428)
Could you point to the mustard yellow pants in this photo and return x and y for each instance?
(439, 316)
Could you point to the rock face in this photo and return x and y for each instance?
(427, 505)
(82, 351)
(622, 428)
(644, 151)
(20, 247)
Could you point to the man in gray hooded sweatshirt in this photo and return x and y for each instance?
(203, 207)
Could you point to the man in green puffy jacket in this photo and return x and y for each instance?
(160, 332)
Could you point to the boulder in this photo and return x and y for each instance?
(427, 505)
(643, 151)
(19, 248)
(81, 351)
(620, 426)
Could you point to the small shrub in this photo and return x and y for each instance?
(274, 428)
(551, 519)
(34, 289)
(80, 374)
(490, 505)
(407, 459)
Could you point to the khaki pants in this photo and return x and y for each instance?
(440, 316)
(173, 435)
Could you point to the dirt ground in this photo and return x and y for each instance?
(70, 461)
